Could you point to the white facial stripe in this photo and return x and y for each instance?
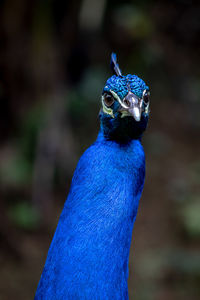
(107, 110)
(146, 110)
(124, 113)
(118, 99)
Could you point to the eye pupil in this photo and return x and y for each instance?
(108, 100)
(146, 97)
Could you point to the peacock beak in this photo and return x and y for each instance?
(132, 105)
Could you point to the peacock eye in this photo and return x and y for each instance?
(146, 96)
(108, 100)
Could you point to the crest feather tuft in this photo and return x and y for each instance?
(114, 65)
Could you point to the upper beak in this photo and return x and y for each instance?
(132, 105)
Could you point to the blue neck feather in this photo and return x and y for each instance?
(88, 257)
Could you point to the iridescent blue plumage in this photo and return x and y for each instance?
(121, 85)
(88, 257)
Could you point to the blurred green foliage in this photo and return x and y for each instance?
(190, 216)
(24, 216)
(15, 171)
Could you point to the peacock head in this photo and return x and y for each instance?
(125, 105)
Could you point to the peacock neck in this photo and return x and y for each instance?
(121, 130)
(120, 140)
(90, 250)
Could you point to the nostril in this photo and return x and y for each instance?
(127, 103)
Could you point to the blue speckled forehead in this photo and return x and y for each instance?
(123, 84)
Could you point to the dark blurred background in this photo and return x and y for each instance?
(54, 61)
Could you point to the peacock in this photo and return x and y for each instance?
(89, 253)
